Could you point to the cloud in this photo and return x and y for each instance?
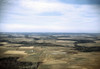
(35, 15)
(35, 28)
(41, 5)
(55, 27)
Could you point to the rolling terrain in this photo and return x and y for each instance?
(49, 51)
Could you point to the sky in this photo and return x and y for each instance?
(70, 16)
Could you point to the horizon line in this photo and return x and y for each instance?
(49, 32)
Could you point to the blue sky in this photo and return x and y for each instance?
(71, 16)
(81, 1)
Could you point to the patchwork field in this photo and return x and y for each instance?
(49, 51)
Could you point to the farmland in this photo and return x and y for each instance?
(49, 51)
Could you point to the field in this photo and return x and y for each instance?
(49, 51)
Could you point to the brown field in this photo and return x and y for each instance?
(50, 51)
(15, 52)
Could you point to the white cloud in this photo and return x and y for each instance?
(74, 17)
(41, 6)
(51, 6)
(35, 28)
